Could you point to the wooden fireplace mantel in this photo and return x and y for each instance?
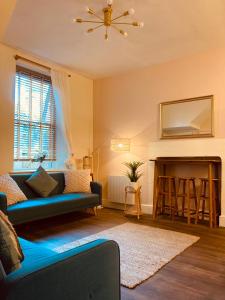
(188, 159)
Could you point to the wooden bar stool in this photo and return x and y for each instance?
(204, 197)
(187, 192)
(166, 191)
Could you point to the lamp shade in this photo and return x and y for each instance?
(120, 145)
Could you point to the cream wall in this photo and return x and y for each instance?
(81, 109)
(82, 115)
(127, 106)
(6, 10)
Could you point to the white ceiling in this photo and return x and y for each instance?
(173, 29)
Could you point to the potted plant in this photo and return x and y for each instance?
(133, 173)
(39, 157)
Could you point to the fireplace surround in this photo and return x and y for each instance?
(205, 147)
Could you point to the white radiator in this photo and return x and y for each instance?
(116, 189)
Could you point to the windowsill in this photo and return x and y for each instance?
(31, 171)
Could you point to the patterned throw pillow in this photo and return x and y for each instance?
(11, 254)
(77, 181)
(11, 189)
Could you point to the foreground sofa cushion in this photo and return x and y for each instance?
(34, 253)
(10, 251)
(9, 187)
(42, 183)
(41, 208)
(77, 181)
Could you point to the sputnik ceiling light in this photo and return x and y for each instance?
(108, 21)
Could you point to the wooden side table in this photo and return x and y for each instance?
(136, 210)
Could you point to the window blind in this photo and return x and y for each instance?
(35, 116)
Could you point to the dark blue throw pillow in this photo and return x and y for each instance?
(41, 182)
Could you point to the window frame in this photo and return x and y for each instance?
(51, 126)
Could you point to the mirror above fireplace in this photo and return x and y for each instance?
(188, 118)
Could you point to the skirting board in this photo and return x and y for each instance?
(222, 221)
(146, 208)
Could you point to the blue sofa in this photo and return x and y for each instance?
(57, 203)
(91, 271)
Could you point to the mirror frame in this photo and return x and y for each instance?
(211, 134)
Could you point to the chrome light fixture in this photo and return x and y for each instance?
(108, 21)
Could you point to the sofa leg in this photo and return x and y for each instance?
(95, 210)
(92, 210)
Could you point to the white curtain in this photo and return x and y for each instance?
(7, 90)
(62, 94)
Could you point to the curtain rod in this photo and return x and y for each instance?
(33, 62)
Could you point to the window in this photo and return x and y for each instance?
(35, 116)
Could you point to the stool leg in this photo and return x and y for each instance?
(163, 197)
(184, 196)
(204, 195)
(198, 205)
(170, 196)
(175, 197)
(188, 202)
(125, 208)
(155, 209)
(178, 191)
(214, 204)
(195, 193)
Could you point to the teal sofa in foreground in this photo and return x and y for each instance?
(91, 271)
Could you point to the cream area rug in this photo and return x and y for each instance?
(143, 249)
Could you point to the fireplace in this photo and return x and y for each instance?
(210, 168)
(191, 149)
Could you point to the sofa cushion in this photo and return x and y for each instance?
(10, 251)
(77, 181)
(9, 187)
(41, 182)
(34, 252)
(41, 208)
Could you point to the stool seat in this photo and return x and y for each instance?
(166, 176)
(186, 178)
(207, 179)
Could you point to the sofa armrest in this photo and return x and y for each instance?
(91, 271)
(3, 203)
(96, 188)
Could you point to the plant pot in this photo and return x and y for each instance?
(134, 185)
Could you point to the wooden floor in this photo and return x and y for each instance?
(198, 273)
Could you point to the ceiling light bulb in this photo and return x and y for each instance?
(87, 9)
(141, 24)
(77, 20)
(124, 33)
(109, 2)
(131, 11)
